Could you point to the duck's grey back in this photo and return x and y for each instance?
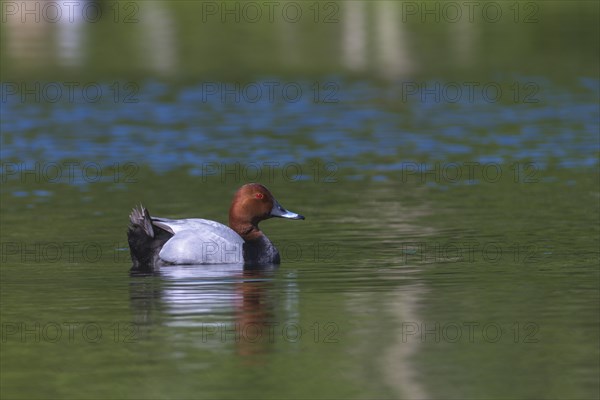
(200, 241)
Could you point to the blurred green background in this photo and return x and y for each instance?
(202, 40)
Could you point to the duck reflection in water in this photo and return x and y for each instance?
(218, 307)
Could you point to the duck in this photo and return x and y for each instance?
(155, 242)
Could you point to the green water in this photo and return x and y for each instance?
(450, 248)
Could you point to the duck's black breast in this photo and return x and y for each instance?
(260, 252)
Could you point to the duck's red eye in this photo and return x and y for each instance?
(259, 195)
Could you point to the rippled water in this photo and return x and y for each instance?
(383, 288)
(200, 124)
(450, 247)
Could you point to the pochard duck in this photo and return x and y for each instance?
(157, 241)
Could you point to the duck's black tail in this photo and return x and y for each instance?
(145, 240)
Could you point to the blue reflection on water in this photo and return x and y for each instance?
(168, 127)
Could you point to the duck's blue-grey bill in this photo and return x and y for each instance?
(280, 212)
